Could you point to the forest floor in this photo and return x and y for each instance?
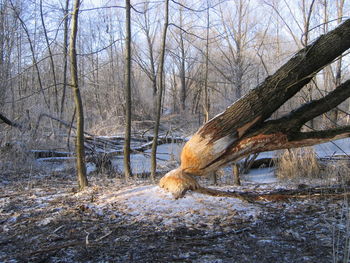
(44, 219)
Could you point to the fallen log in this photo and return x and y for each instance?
(49, 153)
(280, 194)
(245, 127)
(114, 144)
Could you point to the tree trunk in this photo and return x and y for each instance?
(206, 104)
(127, 168)
(65, 53)
(244, 128)
(34, 60)
(52, 64)
(183, 88)
(235, 173)
(338, 69)
(81, 168)
(160, 94)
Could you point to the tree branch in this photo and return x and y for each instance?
(9, 122)
(260, 103)
(300, 139)
(294, 120)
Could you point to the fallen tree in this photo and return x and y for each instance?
(244, 127)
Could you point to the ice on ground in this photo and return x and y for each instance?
(45, 221)
(261, 175)
(337, 147)
(152, 204)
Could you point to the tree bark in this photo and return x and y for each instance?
(52, 64)
(127, 168)
(235, 173)
(160, 94)
(243, 127)
(65, 53)
(81, 168)
(206, 104)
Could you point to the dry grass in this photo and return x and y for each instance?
(14, 151)
(338, 171)
(297, 163)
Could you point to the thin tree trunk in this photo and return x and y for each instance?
(160, 94)
(51, 57)
(81, 168)
(183, 75)
(206, 95)
(183, 89)
(65, 61)
(5, 120)
(35, 64)
(127, 167)
(235, 173)
(338, 70)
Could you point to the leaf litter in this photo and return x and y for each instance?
(43, 219)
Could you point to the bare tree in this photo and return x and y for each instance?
(237, 28)
(160, 92)
(80, 150)
(206, 102)
(34, 60)
(127, 168)
(8, 26)
(65, 55)
(149, 65)
(52, 64)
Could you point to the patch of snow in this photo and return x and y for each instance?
(45, 221)
(261, 175)
(336, 147)
(151, 203)
(90, 167)
(55, 159)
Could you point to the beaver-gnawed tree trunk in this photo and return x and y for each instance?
(244, 128)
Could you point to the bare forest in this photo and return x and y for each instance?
(113, 114)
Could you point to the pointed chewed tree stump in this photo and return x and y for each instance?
(244, 127)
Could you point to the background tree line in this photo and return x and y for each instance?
(215, 52)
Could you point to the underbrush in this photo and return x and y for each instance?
(304, 164)
(297, 163)
(338, 171)
(14, 151)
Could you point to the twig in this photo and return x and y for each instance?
(58, 228)
(106, 235)
(87, 238)
(8, 195)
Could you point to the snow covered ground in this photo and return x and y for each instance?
(151, 203)
(111, 221)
